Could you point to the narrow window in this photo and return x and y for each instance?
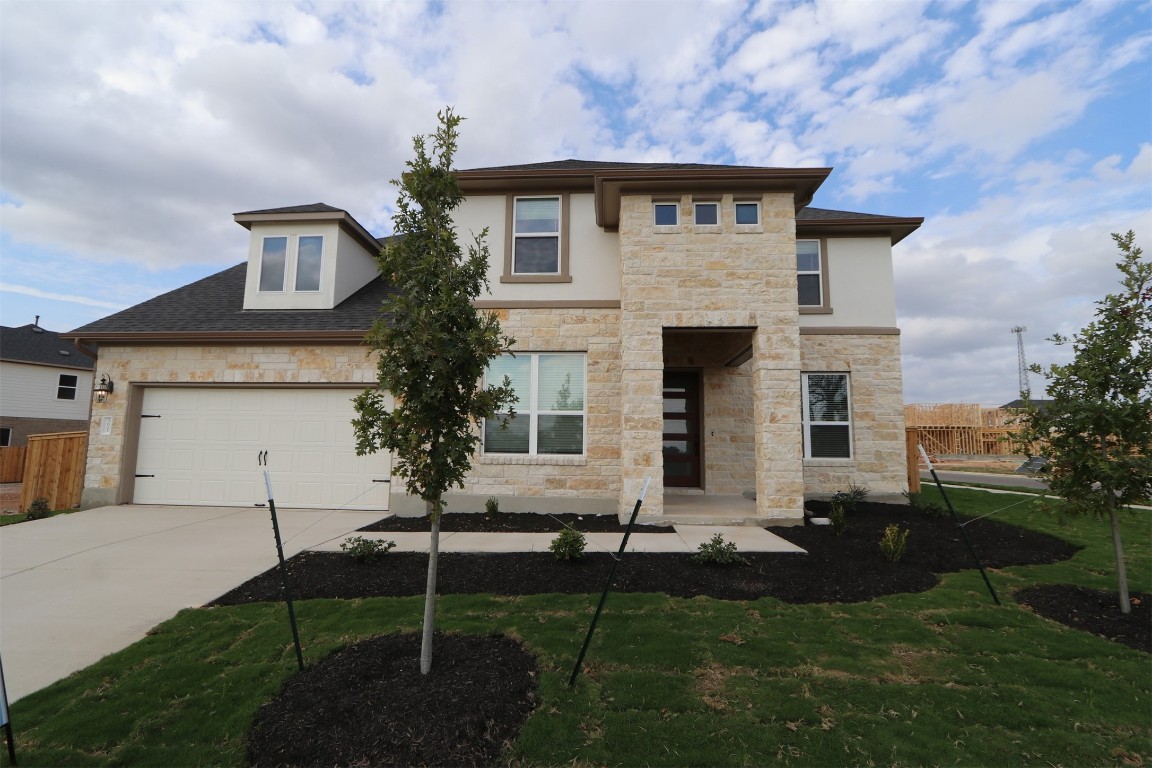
(747, 213)
(809, 283)
(550, 412)
(827, 421)
(536, 250)
(666, 214)
(707, 214)
(66, 387)
(5, 437)
(308, 260)
(273, 260)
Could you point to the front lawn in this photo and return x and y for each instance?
(938, 677)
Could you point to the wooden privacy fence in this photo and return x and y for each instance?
(12, 464)
(964, 429)
(54, 469)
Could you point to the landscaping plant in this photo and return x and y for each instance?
(434, 346)
(838, 516)
(569, 544)
(1096, 428)
(894, 543)
(492, 506)
(716, 551)
(38, 510)
(363, 549)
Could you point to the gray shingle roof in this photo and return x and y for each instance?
(599, 165)
(216, 304)
(32, 344)
(310, 208)
(827, 214)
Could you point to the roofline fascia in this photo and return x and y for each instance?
(897, 228)
(49, 365)
(342, 218)
(124, 338)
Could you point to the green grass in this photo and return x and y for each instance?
(942, 677)
(13, 519)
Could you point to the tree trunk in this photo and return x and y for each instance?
(1121, 568)
(430, 593)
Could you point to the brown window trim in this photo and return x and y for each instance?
(509, 238)
(825, 307)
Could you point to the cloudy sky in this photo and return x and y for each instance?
(1021, 131)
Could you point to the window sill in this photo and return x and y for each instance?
(667, 229)
(749, 229)
(535, 278)
(815, 310)
(829, 462)
(558, 460)
(707, 229)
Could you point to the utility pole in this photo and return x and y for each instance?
(1025, 389)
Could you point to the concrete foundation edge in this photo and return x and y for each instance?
(403, 505)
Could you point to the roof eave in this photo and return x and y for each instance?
(231, 337)
(342, 218)
(896, 228)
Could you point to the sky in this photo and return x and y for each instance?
(130, 132)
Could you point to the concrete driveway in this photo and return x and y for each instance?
(77, 587)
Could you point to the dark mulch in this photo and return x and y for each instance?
(1094, 610)
(530, 522)
(368, 704)
(846, 568)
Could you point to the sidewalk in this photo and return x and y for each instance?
(687, 538)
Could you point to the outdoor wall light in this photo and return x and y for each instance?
(103, 388)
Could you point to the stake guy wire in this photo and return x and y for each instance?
(959, 526)
(608, 582)
(262, 461)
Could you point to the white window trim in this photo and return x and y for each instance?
(808, 423)
(533, 414)
(675, 206)
(75, 387)
(291, 264)
(539, 235)
(819, 272)
(696, 205)
(759, 213)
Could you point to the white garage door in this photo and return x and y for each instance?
(200, 446)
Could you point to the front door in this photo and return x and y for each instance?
(682, 429)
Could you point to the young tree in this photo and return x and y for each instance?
(434, 346)
(1097, 430)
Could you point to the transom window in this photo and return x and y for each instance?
(536, 246)
(666, 214)
(747, 213)
(827, 416)
(277, 258)
(550, 412)
(809, 281)
(66, 387)
(706, 214)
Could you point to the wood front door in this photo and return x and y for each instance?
(682, 455)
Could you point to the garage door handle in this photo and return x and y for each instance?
(381, 481)
(145, 475)
(149, 415)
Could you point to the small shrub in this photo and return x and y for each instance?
(894, 543)
(492, 506)
(365, 549)
(838, 515)
(851, 497)
(718, 552)
(568, 545)
(38, 510)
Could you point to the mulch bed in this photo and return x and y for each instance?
(1094, 610)
(529, 522)
(846, 568)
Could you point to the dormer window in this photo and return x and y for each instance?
(276, 262)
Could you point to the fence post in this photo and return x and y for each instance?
(912, 454)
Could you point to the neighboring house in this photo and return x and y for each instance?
(693, 323)
(45, 384)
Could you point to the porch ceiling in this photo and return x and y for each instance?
(707, 347)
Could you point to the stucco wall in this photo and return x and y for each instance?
(861, 287)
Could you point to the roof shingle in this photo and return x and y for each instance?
(33, 344)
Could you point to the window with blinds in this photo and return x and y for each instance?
(550, 411)
(827, 419)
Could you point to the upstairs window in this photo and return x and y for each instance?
(550, 413)
(706, 214)
(66, 387)
(809, 280)
(748, 213)
(536, 236)
(302, 255)
(666, 214)
(273, 263)
(827, 421)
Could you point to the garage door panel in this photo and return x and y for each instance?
(204, 447)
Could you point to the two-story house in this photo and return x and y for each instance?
(45, 384)
(696, 324)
